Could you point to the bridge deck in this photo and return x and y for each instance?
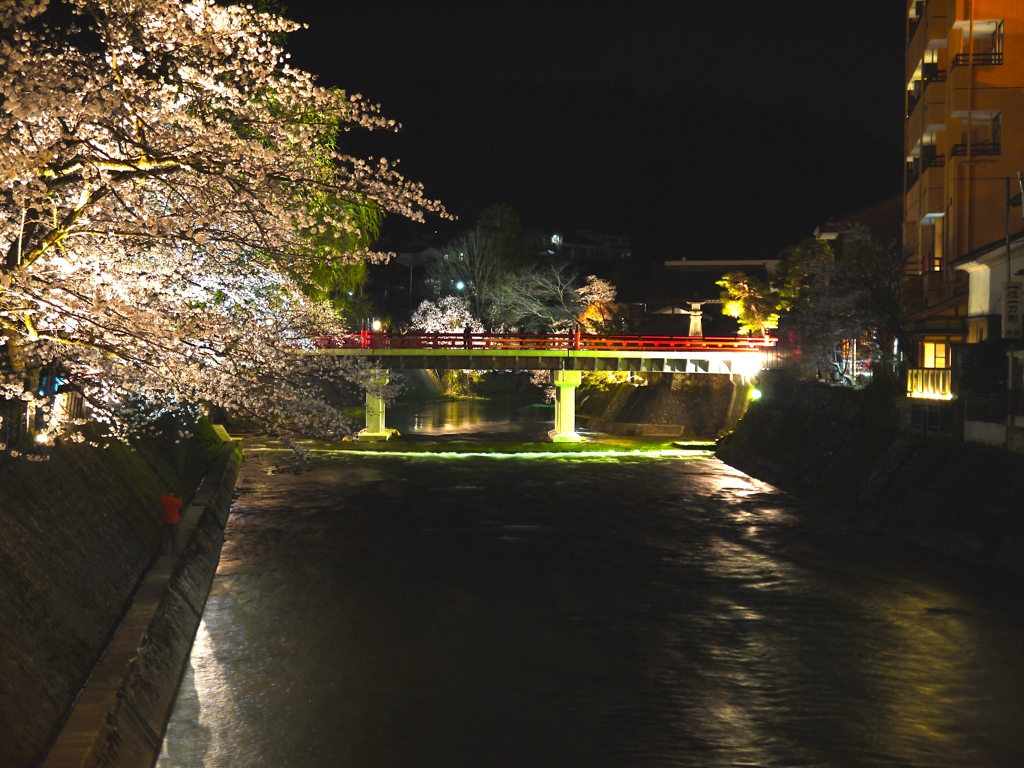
(586, 352)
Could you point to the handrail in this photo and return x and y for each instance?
(976, 148)
(915, 96)
(930, 383)
(541, 341)
(982, 58)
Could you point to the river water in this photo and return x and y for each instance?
(402, 608)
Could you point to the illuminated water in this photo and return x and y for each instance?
(635, 610)
(471, 417)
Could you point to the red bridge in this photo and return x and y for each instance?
(543, 341)
(566, 355)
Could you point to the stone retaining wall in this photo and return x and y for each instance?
(132, 730)
(78, 536)
(843, 451)
(688, 406)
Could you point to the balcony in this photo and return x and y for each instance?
(976, 148)
(920, 166)
(930, 383)
(931, 74)
(988, 58)
(913, 174)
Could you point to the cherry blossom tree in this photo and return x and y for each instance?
(173, 206)
(446, 315)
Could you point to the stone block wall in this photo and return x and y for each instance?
(844, 452)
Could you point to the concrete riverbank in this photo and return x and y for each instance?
(846, 451)
(96, 627)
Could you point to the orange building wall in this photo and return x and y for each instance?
(966, 183)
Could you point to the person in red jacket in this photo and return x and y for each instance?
(171, 505)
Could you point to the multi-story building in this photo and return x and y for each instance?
(964, 141)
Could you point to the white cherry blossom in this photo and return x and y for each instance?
(168, 187)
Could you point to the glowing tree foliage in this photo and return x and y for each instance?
(752, 301)
(174, 208)
(446, 315)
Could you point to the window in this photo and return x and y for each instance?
(935, 354)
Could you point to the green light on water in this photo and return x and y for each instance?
(609, 455)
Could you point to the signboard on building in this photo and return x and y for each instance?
(1012, 300)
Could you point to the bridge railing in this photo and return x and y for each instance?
(543, 341)
(674, 343)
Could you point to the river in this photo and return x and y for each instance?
(458, 607)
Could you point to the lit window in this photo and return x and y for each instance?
(935, 354)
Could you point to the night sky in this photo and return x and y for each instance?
(727, 131)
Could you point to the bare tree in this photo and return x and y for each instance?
(550, 297)
(471, 266)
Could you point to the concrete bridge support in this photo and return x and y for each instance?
(375, 412)
(565, 406)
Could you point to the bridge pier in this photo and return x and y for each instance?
(565, 406)
(375, 411)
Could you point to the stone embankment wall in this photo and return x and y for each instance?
(79, 534)
(688, 406)
(843, 450)
(132, 730)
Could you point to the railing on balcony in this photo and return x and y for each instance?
(930, 383)
(930, 74)
(913, 174)
(921, 164)
(985, 59)
(976, 148)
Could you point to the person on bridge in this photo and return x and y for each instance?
(467, 337)
(171, 506)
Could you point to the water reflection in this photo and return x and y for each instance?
(455, 417)
(451, 610)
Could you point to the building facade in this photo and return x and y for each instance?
(964, 143)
